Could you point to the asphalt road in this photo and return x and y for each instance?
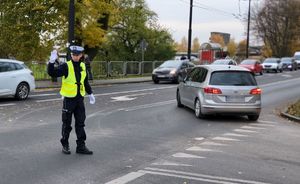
(139, 136)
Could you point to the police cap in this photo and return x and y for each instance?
(76, 49)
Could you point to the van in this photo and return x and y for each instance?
(297, 58)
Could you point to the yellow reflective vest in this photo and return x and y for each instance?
(69, 86)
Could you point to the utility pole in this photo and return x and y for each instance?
(71, 32)
(248, 29)
(190, 30)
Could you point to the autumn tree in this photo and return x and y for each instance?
(196, 45)
(277, 23)
(231, 48)
(182, 46)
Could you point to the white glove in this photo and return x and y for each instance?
(92, 99)
(53, 56)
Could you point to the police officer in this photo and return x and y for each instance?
(74, 86)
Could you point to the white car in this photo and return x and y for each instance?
(272, 64)
(15, 79)
(297, 58)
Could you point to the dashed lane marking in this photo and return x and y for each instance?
(209, 143)
(127, 178)
(263, 125)
(268, 122)
(245, 131)
(48, 94)
(197, 148)
(199, 177)
(224, 139)
(9, 104)
(235, 135)
(185, 155)
(199, 138)
(165, 163)
(251, 127)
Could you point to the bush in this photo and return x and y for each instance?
(294, 109)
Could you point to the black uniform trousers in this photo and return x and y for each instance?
(73, 106)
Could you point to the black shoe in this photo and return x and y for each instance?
(83, 150)
(66, 150)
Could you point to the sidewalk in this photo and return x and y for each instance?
(50, 84)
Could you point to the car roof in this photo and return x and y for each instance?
(213, 68)
(11, 61)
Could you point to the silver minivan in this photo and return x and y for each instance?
(220, 89)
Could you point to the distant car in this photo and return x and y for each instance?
(297, 58)
(224, 62)
(288, 63)
(15, 79)
(215, 89)
(172, 70)
(272, 64)
(253, 65)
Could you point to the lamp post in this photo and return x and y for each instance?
(248, 29)
(190, 30)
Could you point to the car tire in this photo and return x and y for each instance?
(179, 104)
(22, 91)
(197, 108)
(253, 117)
(155, 81)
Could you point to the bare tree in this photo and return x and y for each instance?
(276, 22)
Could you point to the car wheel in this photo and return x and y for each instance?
(179, 104)
(22, 91)
(198, 112)
(253, 117)
(155, 81)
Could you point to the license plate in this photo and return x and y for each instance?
(235, 99)
(161, 76)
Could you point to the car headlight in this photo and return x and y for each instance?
(153, 72)
(172, 72)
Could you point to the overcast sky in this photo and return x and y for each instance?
(208, 16)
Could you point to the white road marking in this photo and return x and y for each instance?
(218, 179)
(268, 122)
(185, 155)
(244, 131)
(224, 139)
(48, 94)
(171, 164)
(49, 100)
(126, 178)
(251, 127)
(264, 125)
(208, 143)
(9, 104)
(235, 135)
(134, 108)
(287, 76)
(196, 148)
(199, 138)
(128, 97)
(279, 82)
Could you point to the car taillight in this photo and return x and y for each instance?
(212, 90)
(255, 91)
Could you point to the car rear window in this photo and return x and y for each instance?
(232, 78)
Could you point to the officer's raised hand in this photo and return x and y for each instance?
(53, 56)
(92, 98)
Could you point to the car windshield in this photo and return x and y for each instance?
(171, 64)
(270, 61)
(286, 60)
(297, 57)
(232, 78)
(248, 62)
(220, 62)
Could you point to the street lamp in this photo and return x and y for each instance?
(247, 45)
(190, 30)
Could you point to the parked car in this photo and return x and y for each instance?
(288, 63)
(253, 65)
(297, 58)
(172, 70)
(15, 79)
(224, 62)
(272, 64)
(214, 89)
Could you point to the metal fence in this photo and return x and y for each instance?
(103, 69)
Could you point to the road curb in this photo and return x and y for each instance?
(289, 116)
